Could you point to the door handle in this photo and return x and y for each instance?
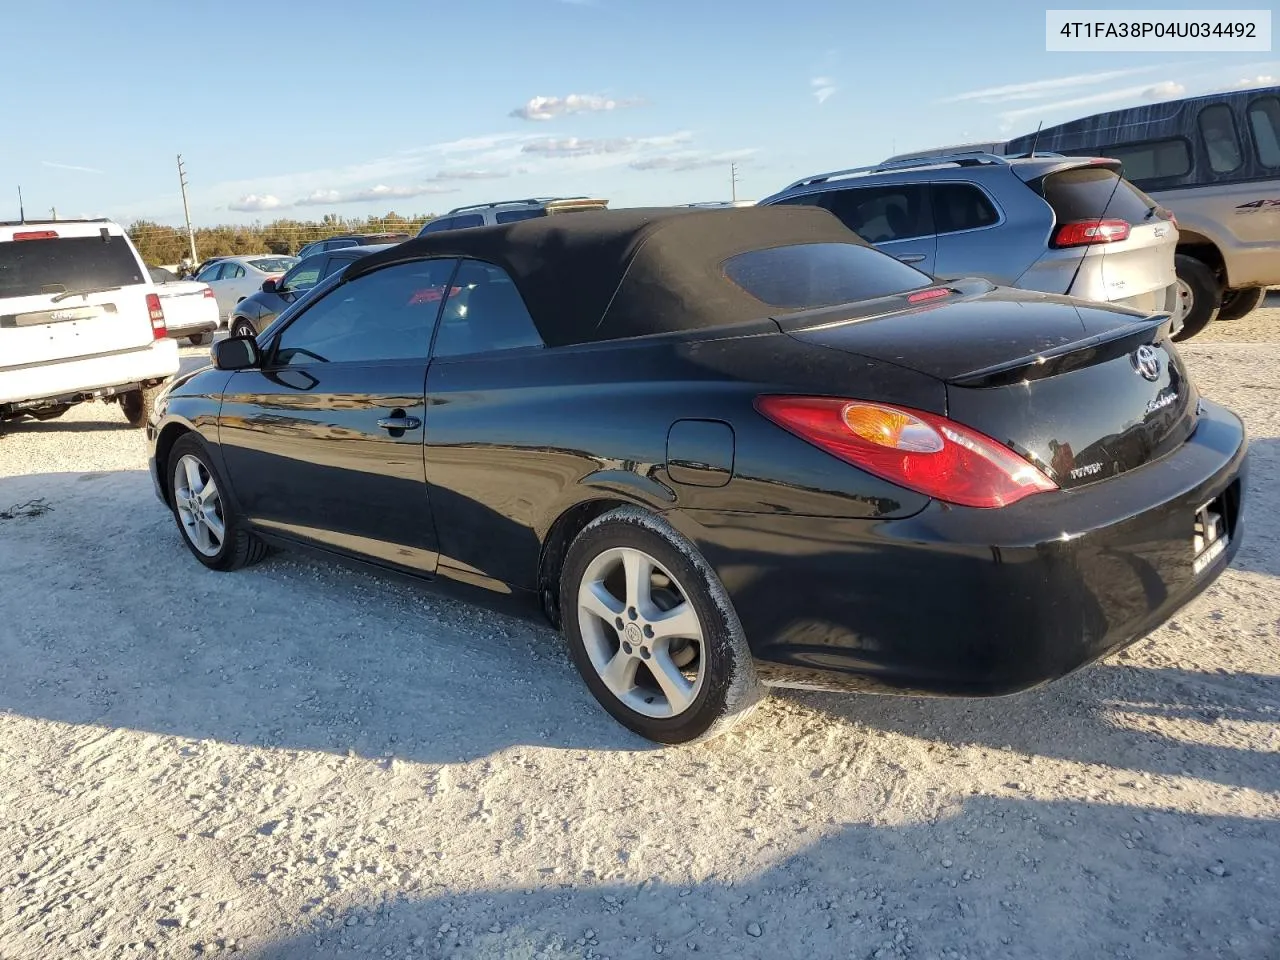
(400, 423)
(911, 257)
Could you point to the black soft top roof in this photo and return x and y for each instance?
(608, 274)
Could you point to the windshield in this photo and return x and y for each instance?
(58, 265)
(272, 264)
(806, 275)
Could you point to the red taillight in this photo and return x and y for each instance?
(36, 235)
(920, 296)
(208, 293)
(158, 330)
(1083, 233)
(920, 451)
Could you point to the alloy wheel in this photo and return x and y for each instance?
(199, 506)
(641, 633)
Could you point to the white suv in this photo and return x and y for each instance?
(80, 318)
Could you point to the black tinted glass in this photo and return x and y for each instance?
(1092, 193)
(1221, 141)
(511, 216)
(468, 220)
(1154, 160)
(961, 206)
(305, 275)
(820, 274)
(50, 266)
(484, 312)
(883, 214)
(385, 315)
(1264, 121)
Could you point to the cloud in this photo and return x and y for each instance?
(253, 202)
(1248, 84)
(1038, 89)
(548, 108)
(69, 166)
(445, 176)
(319, 198)
(690, 160)
(580, 147)
(822, 88)
(1160, 91)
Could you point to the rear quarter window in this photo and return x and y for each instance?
(62, 264)
(807, 275)
(1154, 160)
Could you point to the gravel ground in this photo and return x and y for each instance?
(302, 761)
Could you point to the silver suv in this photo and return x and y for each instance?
(509, 211)
(1060, 225)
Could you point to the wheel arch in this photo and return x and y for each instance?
(169, 434)
(562, 532)
(1204, 249)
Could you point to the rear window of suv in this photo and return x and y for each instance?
(58, 265)
(807, 275)
(1091, 193)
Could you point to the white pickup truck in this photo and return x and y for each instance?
(80, 319)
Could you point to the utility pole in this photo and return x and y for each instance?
(54, 212)
(733, 181)
(186, 212)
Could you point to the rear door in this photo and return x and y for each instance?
(964, 218)
(68, 291)
(896, 218)
(324, 443)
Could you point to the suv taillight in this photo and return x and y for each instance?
(208, 293)
(1084, 233)
(158, 329)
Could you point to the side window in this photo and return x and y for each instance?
(484, 312)
(884, 214)
(1221, 141)
(304, 276)
(468, 220)
(385, 315)
(1264, 121)
(1154, 160)
(210, 273)
(335, 264)
(961, 206)
(511, 216)
(232, 271)
(435, 226)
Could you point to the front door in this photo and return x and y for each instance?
(325, 442)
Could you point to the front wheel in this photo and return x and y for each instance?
(210, 528)
(652, 631)
(242, 328)
(1239, 303)
(138, 404)
(1199, 294)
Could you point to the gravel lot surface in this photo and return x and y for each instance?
(303, 761)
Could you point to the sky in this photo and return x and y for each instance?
(328, 107)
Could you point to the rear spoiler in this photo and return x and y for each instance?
(575, 204)
(1071, 356)
(1029, 172)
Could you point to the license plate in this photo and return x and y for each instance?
(1211, 537)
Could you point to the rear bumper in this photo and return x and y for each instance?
(965, 602)
(87, 375)
(190, 327)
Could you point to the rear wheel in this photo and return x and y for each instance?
(1198, 296)
(138, 404)
(198, 339)
(652, 632)
(1239, 303)
(210, 528)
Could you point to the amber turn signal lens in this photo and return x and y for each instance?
(887, 427)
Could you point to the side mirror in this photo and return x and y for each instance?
(270, 285)
(236, 353)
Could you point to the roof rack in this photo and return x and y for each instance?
(23, 223)
(969, 159)
(513, 203)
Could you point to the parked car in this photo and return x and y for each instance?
(740, 448)
(205, 265)
(351, 240)
(234, 278)
(1215, 162)
(190, 308)
(254, 313)
(80, 320)
(510, 211)
(1068, 226)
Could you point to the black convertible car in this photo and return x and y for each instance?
(724, 450)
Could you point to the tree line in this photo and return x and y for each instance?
(160, 244)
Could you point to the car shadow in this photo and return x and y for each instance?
(63, 426)
(994, 877)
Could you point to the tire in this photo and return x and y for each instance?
(724, 687)
(138, 404)
(240, 327)
(237, 546)
(1237, 304)
(1199, 293)
(198, 339)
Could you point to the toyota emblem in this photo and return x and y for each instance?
(1147, 362)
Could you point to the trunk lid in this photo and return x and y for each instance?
(70, 290)
(1085, 392)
